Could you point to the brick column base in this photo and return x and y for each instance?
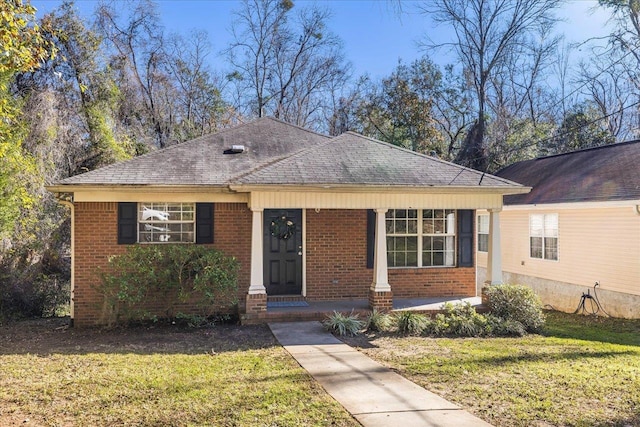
(484, 295)
(381, 301)
(256, 303)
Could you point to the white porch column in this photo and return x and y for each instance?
(256, 284)
(494, 259)
(380, 273)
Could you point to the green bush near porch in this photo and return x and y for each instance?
(516, 303)
(200, 277)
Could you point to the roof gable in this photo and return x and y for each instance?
(606, 173)
(352, 159)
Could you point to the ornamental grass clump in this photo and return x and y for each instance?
(378, 321)
(516, 303)
(341, 324)
(411, 323)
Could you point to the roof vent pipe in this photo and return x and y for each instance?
(238, 149)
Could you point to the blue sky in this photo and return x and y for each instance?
(374, 36)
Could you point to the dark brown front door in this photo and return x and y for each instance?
(283, 251)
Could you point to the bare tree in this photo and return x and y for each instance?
(138, 40)
(200, 108)
(490, 36)
(289, 63)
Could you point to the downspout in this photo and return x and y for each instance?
(66, 199)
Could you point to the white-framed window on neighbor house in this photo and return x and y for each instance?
(483, 233)
(421, 237)
(543, 236)
(166, 222)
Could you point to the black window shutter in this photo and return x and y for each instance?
(127, 223)
(371, 236)
(465, 238)
(204, 223)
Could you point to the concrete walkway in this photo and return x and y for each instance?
(373, 394)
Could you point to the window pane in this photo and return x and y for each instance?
(412, 244)
(551, 248)
(389, 226)
(483, 242)
(412, 259)
(438, 243)
(391, 259)
(536, 225)
(426, 259)
(449, 258)
(400, 227)
(427, 243)
(412, 226)
(536, 247)
(483, 224)
(438, 258)
(551, 225)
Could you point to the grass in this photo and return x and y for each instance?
(159, 385)
(582, 371)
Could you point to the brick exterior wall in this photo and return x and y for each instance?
(96, 239)
(433, 282)
(337, 263)
(336, 253)
(336, 258)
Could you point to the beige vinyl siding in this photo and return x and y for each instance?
(594, 244)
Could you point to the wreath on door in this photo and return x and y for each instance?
(282, 228)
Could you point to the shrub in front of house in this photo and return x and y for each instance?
(462, 320)
(168, 277)
(516, 303)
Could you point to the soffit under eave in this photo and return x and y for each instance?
(344, 200)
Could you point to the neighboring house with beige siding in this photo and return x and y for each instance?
(310, 218)
(579, 225)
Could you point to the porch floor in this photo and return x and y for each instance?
(319, 310)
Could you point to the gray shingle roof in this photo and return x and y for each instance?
(610, 172)
(283, 154)
(352, 159)
(203, 161)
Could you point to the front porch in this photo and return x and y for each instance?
(290, 310)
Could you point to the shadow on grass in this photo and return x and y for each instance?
(53, 336)
(533, 356)
(593, 328)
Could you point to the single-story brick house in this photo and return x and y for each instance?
(579, 225)
(307, 215)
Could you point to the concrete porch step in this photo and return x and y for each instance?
(285, 298)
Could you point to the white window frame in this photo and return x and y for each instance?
(449, 256)
(159, 219)
(544, 227)
(483, 230)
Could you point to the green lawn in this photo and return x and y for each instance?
(159, 378)
(584, 371)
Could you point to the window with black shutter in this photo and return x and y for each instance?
(465, 238)
(127, 223)
(204, 223)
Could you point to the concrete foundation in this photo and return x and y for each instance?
(566, 297)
